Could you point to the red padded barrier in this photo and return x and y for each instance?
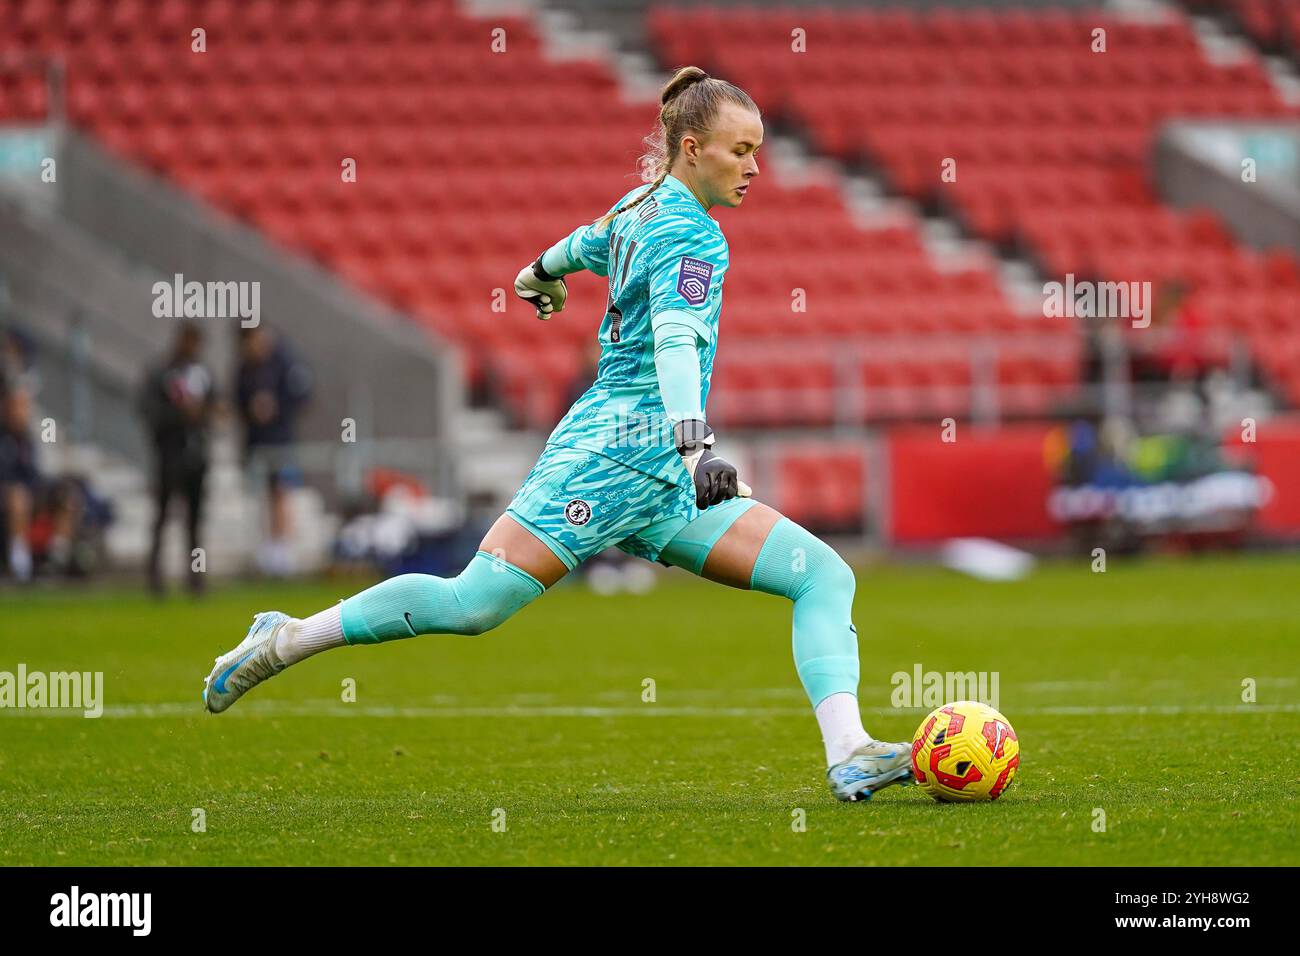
(1275, 454)
(992, 484)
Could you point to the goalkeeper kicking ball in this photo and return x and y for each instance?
(964, 752)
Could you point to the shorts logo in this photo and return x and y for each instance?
(577, 512)
(693, 280)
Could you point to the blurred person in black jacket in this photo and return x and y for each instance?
(177, 403)
(15, 363)
(272, 386)
(41, 515)
(19, 480)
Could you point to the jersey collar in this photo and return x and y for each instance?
(672, 182)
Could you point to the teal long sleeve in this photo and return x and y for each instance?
(584, 248)
(677, 365)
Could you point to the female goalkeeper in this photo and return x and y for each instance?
(632, 463)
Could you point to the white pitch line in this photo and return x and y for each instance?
(331, 708)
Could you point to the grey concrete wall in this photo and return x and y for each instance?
(1191, 172)
(370, 363)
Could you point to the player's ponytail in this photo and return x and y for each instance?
(682, 80)
(689, 103)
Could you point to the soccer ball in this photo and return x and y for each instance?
(964, 752)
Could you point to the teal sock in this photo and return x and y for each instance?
(796, 564)
(487, 592)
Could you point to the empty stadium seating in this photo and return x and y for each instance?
(1273, 24)
(822, 484)
(1051, 140)
(451, 197)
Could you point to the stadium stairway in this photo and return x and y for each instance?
(1273, 26)
(1227, 39)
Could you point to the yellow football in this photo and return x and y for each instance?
(964, 752)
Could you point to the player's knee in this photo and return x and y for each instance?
(829, 578)
(794, 562)
(485, 597)
(825, 570)
(838, 574)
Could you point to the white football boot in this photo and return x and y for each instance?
(252, 662)
(870, 768)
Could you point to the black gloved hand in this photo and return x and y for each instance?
(714, 477)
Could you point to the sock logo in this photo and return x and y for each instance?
(577, 512)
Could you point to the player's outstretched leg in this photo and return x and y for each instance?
(749, 545)
(800, 566)
(485, 594)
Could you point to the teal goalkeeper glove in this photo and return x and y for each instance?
(714, 478)
(544, 292)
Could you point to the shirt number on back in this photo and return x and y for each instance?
(614, 312)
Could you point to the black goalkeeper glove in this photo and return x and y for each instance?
(715, 478)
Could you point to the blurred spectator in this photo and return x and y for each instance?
(39, 516)
(177, 404)
(1179, 350)
(15, 361)
(19, 480)
(272, 386)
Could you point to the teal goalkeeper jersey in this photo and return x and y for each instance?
(665, 259)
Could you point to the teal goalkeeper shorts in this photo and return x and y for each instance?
(579, 503)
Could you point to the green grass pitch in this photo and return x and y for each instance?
(1125, 689)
